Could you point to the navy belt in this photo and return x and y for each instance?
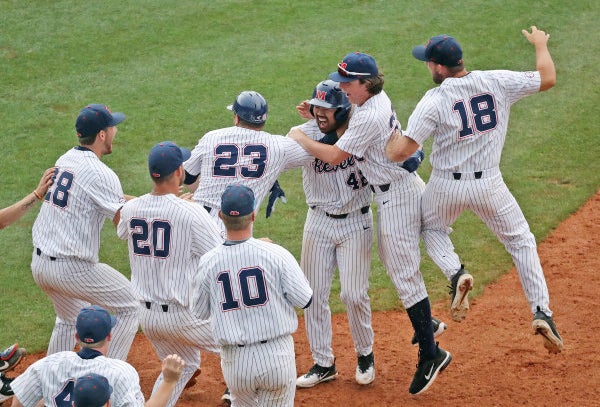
(241, 346)
(382, 188)
(363, 210)
(39, 253)
(164, 307)
(476, 174)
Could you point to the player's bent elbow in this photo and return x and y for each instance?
(396, 155)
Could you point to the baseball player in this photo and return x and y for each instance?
(243, 154)
(66, 235)
(166, 237)
(14, 212)
(467, 116)
(52, 378)
(398, 196)
(338, 232)
(249, 288)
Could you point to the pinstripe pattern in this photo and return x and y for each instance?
(281, 154)
(269, 366)
(86, 193)
(398, 209)
(51, 378)
(445, 197)
(166, 279)
(74, 284)
(328, 243)
(264, 311)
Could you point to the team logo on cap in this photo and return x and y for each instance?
(343, 65)
(321, 95)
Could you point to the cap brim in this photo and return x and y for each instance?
(419, 53)
(335, 76)
(185, 153)
(113, 321)
(320, 103)
(117, 118)
(230, 107)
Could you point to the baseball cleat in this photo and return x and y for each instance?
(317, 374)
(438, 328)
(5, 391)
(192, 380)
(461, 284)
(544, 325)
(10, 357)
(365, 370)
(428, 369)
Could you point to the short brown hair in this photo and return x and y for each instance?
(375, 83)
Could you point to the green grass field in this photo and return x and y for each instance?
(172, 67)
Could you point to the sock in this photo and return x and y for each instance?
(420, 317)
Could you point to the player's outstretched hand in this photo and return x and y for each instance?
(45, 182)
(172, 367)
(303, 110)
(536, 36)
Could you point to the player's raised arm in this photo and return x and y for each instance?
(543, 61)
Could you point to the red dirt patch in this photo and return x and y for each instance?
(497, 361)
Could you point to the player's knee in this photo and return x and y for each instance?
(351, 298)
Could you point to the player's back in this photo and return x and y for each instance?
(253, 286)
(53, 377)
(166, 238)
(237, 155)
(84, 194)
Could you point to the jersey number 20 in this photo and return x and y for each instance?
(150, 238)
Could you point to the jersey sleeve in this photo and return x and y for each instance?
(200, 293)
(294, 283)
(126, 389)
(423, 120)
(122, 227)
(28, 386)
(519, 84)
(193, 165)
(295, 155)
(359, 135)
(209, 234)
(107, 193)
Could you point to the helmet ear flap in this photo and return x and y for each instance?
(311, 109)
(341, 114)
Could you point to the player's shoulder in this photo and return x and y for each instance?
(271, 248)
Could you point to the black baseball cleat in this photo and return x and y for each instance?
(544, 325)
(428, 369)
(365, 369)
(5, 391)
(317, 374)
(438, 328)
(460, 285)
(226, 396)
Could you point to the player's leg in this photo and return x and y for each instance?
(53, 278)
(277, 383)
(354, 252)
(442, 202)
(240, 373)
(399, 227)
(318, 263)
(164, 331)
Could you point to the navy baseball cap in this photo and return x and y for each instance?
(94, 324)
(91, 390)
(165, 158)
(441, 49)
(355, 65)
(94, 118)
(237, 200)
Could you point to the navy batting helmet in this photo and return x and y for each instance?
(251, 107)
(327, 94)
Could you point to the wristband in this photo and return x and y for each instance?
(37, 195)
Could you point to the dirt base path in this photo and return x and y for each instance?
(497, 361)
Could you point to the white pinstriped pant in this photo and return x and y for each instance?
(445, 198)
(345, 243)
(74, 284)
(177, 331)
(261, 374)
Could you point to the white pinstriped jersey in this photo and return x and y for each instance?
(85, 193)
(468, 118)
(249, 291)
(236, 155)
(53, 377)
(166, 237)
(335, 189)
(369, 129)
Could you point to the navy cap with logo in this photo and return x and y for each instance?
(441, 49)
(94, 324)
(96, 117)
(91, 390)
(355, 65)
(237, 200)
(165, 158)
